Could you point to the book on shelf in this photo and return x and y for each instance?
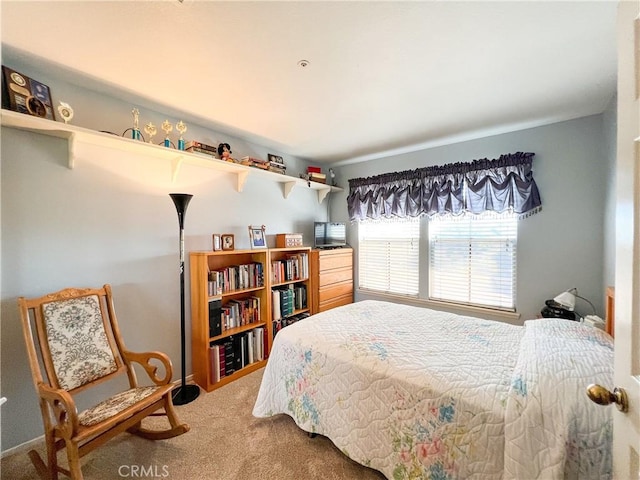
(201, 151)
(201, 146)
(255, 162)
(237, 277)
(215, 317)
(312, 169)
(294, 267)
(229, 356)
(277, 169)
(237, 352)
(214, 357)
(217, 361)
(287, 300)
(278, 325)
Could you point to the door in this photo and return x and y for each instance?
(626, 426)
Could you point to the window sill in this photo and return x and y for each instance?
(487, 313)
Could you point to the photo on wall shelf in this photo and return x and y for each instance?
(257, 237)
(217, 242)
(227, 241)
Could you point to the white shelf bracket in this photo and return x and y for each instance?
(322, 193)
(242, 179)
(288, 186)
(176, 163)
(71, 146)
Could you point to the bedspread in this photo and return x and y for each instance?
(411, 392)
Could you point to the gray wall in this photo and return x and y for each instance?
(560, 247)
(609, 227)
(110, 220)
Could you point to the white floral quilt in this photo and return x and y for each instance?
(417, 393)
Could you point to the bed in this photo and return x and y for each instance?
(419, 393)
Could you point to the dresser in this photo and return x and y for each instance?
(331, 278)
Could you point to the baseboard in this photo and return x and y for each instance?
(23, 447)
(30, 444)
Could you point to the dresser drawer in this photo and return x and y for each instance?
(329, 262)
(335, 290)
(335, 302)
(335, 276)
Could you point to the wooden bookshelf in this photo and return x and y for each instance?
(299, 280)
(202, 263)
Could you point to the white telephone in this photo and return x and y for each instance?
(594, 321)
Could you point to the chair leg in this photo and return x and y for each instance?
(48, 470)
(176, 429)
(73, 456)
(44, 472)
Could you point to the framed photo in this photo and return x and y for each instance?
(217, 242)
(227, 241)
(257, 237)
(275, 159)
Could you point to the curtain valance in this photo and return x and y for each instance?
(497, 185)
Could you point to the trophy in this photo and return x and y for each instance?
(135, 131)
(65, 111)
(150, 129)
(181, 127)
(167, 127)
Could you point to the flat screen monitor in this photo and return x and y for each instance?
(330, 234)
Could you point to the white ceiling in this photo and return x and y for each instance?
(383, 77)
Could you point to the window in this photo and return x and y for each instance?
(388, 256)
(472, 259)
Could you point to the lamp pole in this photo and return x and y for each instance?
(183, 393)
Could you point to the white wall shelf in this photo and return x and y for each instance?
(75, 134)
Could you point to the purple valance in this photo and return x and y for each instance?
(498, 185)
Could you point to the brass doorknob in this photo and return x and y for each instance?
(602, 396)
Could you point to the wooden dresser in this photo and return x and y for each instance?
(331, 278)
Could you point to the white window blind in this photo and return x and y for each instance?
(388, 256)
(472, 259)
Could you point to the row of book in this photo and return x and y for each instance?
(294, 267)
(199, 147)
(284, 322)
(236, 277)
(315, 174)
(287, 300)
(236, 352)
(235, 313)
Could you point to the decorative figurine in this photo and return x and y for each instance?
(181, 128)
(135, 131)
(224, 150)
(65, 111)
(167, 127)
(150, 129)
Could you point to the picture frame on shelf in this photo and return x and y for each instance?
(275, 159)
(217, 242)
(257, 237)
(227, 240)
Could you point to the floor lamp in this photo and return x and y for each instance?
(183, 393)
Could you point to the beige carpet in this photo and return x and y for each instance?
(225, 442)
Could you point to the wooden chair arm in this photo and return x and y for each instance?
(143, 358)
(63, 408)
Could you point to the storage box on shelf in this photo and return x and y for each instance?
(331, 278)
(289, 288)
(229, 313)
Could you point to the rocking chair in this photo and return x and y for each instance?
(78, 342)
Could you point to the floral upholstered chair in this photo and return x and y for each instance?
(74, 335)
